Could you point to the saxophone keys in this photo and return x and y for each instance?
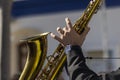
(93, 0)
(45, 73)
(92, 3)
(51, 60)
(98, 7)
(56, 56)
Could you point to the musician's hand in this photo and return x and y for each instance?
(68, 36)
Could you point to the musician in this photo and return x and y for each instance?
(77, 68)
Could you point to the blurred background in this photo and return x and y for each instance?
(23, 18)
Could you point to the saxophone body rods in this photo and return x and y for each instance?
(55, 62)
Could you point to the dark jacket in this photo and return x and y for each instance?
(77, 68)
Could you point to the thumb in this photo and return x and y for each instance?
(85, 32)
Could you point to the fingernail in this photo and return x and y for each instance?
(58, 28)
(67, 19)
(52, 34)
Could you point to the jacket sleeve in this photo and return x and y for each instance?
(77, 67)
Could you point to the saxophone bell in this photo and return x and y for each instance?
(37, 49)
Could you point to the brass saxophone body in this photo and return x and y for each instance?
(37, 47)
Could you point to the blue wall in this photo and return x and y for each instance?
(31, 7)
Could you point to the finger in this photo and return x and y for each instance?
(56, 37)
(60, 31)
(68, 23)
(85, 32)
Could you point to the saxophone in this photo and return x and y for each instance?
(34, 69)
